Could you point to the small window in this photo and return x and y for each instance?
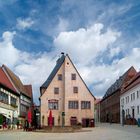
(75, 89)
(60, 77)
(85, 105)
(133, 96)
(56, 90)
(53, 105)
(73, 105)
(128, 99)
(137, 94)
(73, 76)
(138, 110)
(128, 111)
(13, 101)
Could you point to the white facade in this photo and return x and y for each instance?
(130, 103)
(7, 109)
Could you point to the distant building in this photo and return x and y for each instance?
(9, 100)
(97, 110)
(24, 91)
(130, 101)
(110, 104)
(36, 117)
(67, 96)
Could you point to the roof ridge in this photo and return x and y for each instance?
(15, 80)
(123, 77)
(5, 81)
(59, 62)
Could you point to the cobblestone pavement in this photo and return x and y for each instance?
(100, 132)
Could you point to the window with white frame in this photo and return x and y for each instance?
(134, 96)
(138, 110)
(53, 104)
(122, 101)
(131, 97)
(126, 111)
(138, 94)
(73, 105)
(127, 99)
(3, 97)
(13, 101)
(85, 105)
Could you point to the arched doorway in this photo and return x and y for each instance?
(73, 121)
(2, 119)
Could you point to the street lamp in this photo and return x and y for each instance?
(63, 119)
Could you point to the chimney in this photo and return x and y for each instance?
(62, 53)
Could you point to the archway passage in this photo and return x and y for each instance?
(2, 119)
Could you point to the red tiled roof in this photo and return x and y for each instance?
(29, 90)
(16, 81)
(134, 81)
(97, 101)
(5, 81)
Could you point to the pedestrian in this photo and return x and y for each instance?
(110, 118)
(4, 125)
(26, 125)
(17, 124)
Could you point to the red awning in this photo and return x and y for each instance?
(50, 118)
(29, 116)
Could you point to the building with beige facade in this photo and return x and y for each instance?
(67, 96)
(16, 99)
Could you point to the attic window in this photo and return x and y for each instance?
(60, 77)
(67, 63)
(75, 89)
(56, 90)
(73, 76)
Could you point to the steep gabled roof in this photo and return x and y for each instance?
(59, 63)
(97, 101)
(16, 81)
(81, 77)
(5, 81)
(53, 73)
(132, 83)
(129, 74)
(29, 90)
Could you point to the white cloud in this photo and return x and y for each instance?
(86, 44)
(23, 24)
(62, 25)
(114, 51)
(84, 47)
(103, 76)
(31, 68)
(8, 53)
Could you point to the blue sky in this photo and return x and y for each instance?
(101, 37)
